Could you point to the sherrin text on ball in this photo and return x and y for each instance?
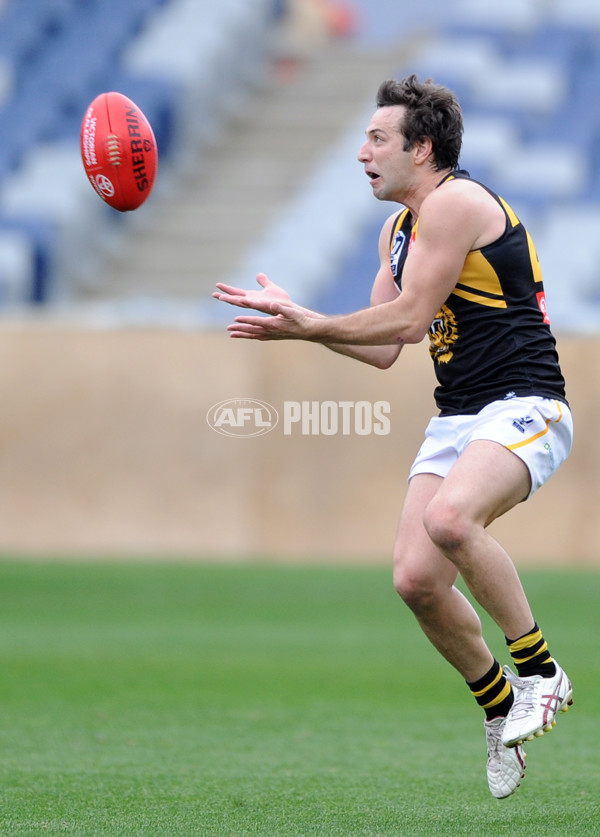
(119, 151)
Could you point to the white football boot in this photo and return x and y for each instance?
(505, 765)
(537, 702)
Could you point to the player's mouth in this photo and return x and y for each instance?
(373, 176)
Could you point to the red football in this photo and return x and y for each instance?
(118, 150)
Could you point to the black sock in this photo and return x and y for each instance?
(530, 654)
(493, 692)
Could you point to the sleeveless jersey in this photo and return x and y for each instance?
(491, 339)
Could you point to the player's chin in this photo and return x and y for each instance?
(380, 192)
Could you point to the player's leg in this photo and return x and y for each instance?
(486, 481)
(425, 579)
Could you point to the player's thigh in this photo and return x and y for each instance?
(418, 563)
(485, 482)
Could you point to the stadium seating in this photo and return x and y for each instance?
(543, 85)
(172, 57)
(527, 75)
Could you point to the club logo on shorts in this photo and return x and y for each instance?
(521, 423)
(443, 334)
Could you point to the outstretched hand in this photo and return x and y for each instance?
(287, 322)
(258, 300)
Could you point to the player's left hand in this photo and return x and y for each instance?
(285, 322)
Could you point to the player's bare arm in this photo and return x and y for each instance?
(384, 290)
(452, 222)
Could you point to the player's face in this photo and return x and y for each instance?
(386, 163)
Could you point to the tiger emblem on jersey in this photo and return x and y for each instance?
(443, 334)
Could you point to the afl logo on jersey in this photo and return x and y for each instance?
(396, 251)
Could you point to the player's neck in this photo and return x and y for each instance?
(427, 183)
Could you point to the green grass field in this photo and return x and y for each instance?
(156, 699)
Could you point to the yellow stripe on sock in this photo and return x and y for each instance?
(488, 687)
(537, 653)
(499, 698)
(525, 642)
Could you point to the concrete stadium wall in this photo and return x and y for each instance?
(106, 451)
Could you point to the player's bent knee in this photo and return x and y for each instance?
(446, 526)
(416, 591)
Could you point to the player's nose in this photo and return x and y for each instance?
(363, 153)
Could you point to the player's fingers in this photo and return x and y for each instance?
(247, 328)
(263, 307)
(230, 299)
(230, 289)
(266, 306)
(242, 335)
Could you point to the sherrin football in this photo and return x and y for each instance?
(119, 151)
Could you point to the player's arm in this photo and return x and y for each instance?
(449, 225)
(383, 290)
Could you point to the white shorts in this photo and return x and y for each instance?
(538, 430)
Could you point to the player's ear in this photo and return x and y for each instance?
(422, 150)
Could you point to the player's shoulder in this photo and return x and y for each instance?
(462, 197)
(393, 221)
(390, 226)
(466, 209)
(463, 189)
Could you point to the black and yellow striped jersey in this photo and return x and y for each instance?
(491, 338)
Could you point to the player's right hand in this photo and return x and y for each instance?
(255, 299)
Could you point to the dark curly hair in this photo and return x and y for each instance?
(433, 111)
